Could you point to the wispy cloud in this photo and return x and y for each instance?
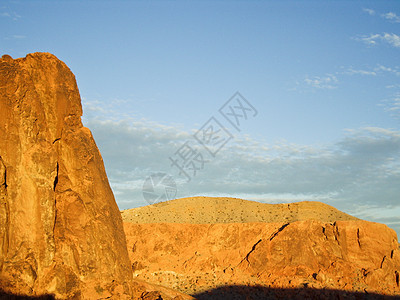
(352, 71)
(393, 86)
(396, 104)
(18, 37)
(392, 105)
(371, 71)
(369, 11)
(15, 37)
(328, 81)
(381, 68)
(372, 40)
(12, 15)
(369, 40)
(332, 80)
(391, 16)
(392, 39)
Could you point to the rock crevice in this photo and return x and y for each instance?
(246, 258)
(279, 230)
(4, 213)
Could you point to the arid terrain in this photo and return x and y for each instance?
(207, 210)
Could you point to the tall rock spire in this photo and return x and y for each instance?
(60, 229)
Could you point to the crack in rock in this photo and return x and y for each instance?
(279, 230)
(246, 258)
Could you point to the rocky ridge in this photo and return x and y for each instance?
(347, 255)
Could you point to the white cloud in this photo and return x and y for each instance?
(12, 15)
(396, 104)
(391, 16)
(392, 105)
(390, 38)
(351, 71)
(369, 11)
(360, 171)
(15, 37)
(393, 86)
(18, 37)
(381, 68)
(349, 168)
(329, 81)
(369, 40)
(377, 70)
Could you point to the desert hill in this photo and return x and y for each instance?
(212, 210)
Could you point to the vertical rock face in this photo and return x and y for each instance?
(60, 228)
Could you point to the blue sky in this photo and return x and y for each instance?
(322, 75)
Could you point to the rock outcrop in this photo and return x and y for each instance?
(60, 228)
(349, 255)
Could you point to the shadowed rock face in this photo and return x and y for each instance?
(60, 228)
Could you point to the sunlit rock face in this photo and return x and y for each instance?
(60, 228)
(212, 243)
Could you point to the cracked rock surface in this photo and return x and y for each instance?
(60, 228)
(350, 255)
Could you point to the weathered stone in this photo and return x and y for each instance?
(351, 255)
(60, 228)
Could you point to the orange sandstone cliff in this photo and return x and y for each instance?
(221, 248)
(60, 228)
